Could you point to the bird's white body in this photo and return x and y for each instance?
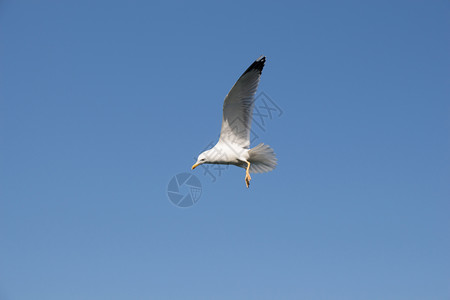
(223, 153)
(233, 146)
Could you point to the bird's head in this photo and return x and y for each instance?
(202, 159)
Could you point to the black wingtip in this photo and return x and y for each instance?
(257, 65)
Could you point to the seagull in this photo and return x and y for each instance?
(233, 147)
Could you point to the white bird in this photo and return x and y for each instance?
(233, 146)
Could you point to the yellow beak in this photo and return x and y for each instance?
(195, 166)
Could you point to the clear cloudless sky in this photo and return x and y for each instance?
(103, 102)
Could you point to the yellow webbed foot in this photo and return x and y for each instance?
(247, 179)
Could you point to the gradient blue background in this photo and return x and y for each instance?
(102, 102)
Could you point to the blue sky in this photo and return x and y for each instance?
(103, 102)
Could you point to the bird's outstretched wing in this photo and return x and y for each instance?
(238, 106)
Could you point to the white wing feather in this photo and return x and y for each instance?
(238, 107)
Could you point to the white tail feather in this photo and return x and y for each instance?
(262, 159)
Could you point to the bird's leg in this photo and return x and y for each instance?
(247, 175)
